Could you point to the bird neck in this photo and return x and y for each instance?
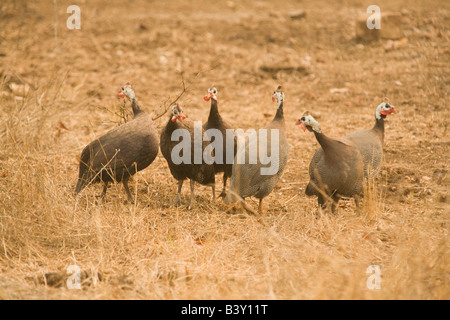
(279, 115)
(379, 127)
(214, 111)
(135, 107)
(173, 125)
(331, 147)
(323, 140)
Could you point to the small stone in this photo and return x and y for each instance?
(297, 15)
(19, 89)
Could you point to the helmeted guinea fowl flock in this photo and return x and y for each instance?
(253, 163)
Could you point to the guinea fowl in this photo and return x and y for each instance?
(370, 142)
(252, 179)
(121, 152)
(185, 166)
(336, 169)
(215, 121)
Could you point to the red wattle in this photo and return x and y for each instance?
(302, 125)
(386, 112)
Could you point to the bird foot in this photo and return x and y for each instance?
(223, 194)
(177, 202)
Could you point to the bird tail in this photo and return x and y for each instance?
(310, 190)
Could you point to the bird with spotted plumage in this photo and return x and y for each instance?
(336, 168)
(202, 172)
(121, 152)
(247, 179)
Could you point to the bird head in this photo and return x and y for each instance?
(126, 91)
(307, 121)
(384, 109)
(212, 94)
(278, 95)
(177, 113)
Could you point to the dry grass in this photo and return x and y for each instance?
(53, 78)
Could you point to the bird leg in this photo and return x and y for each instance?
(321, 201)
(260, 207)
(192, 195)
(358, 202)
(334, 202)
(178, 198)
(322, 206)
(127, 189)
(105, 188)
(213, 187)
(223, 194)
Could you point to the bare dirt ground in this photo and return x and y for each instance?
(59, 91)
